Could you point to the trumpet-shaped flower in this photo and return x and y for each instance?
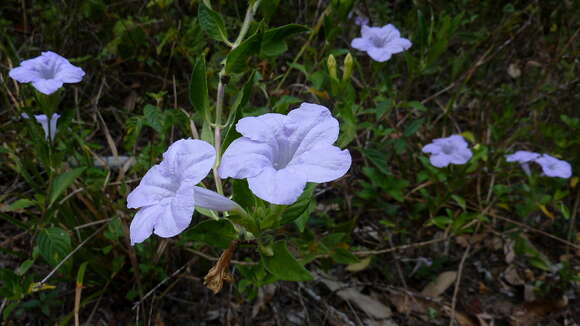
(380, 42)
(47, 73)
(167, 194)
(49, 127)
(524, 158)
(279, 154)
(554, 167)
(449, 150)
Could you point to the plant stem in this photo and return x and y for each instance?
(246, 25)
(217, 132)
(221, 94)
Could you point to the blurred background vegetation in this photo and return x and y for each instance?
(504, 74)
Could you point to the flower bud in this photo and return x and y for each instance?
(347, 68)
(331, 64)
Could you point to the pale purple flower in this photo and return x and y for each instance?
(449, 150)
(523, 157)
(361, 20)
(279, 153)
(380, 42)
(553, 167)
(49, 127)
(167, 194)
(47, 73)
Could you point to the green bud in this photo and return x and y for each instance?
(347, 68)
(331, 64)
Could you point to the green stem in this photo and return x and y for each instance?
(217, 132)
(221, 94)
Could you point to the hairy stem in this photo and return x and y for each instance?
(221, 94)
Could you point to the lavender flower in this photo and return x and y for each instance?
(47, 73)
(380, 42)
(42, 119)
(279, 153)
(449, 150)
(554, 167)
(361, 20)
(167, 195)
(523, 157)
(49, 127)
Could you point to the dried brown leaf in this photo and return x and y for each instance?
(440, 284)
(369, 305)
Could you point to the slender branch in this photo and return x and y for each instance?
(70, 255)
(246, 24)
(221, 94)
(218, 130)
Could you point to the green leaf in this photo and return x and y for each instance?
(284, 102)
(237, 60)
(303, 219)
(62, 182)
(114, 229)
(242, 194)
(20, 204)
(460, 201)
(153, 117)
(217, 233)
(198, 92)
(343, 256)
(413, 127)
(273, 43)
(53, 244)
(212, 23)
(284, 266)
(301, 205)
(81, 273)
(230, 133)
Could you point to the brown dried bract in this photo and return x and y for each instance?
(214, 280)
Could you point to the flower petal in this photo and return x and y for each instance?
(554, 167)
(281, 187)
(458, 141)
(308, 126)
(379, 54)
(43, 121)
(439, 160)
(389, 31)
(522, 157)
(208, 199)
(53, 130)
(245, 158)
(432, 148)
(398, 45)
(177, 215)
(143, 223)
(189, 159)
(261, 128)
(70, 74)
(47, 86)
(24, 75)
(154, 187)
(360, 44)
(323, 163)
(461, 156)
(367, 31)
